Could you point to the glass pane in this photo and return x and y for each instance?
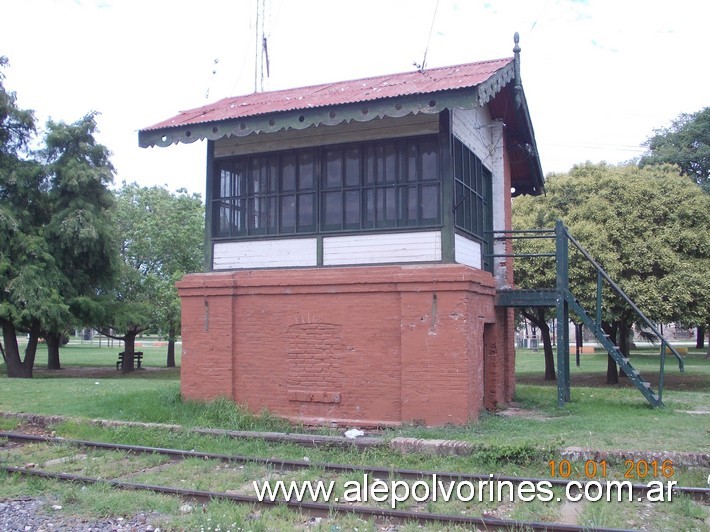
(458, 160)
(479, 176)
(370, 164)
(352, 167)
(288, 173)
(369, 198)
(429, 160)
(240, 178)
(466, 172)
(333, 209)
(224, 184)
(306, 214)
(254, 175)
(412, 210)
(379, 163)
(273, 175)
(390, 162)
(468, 213)
(306, 170)
(220, 218)
(352, 209)
(412, 173)
(334, 168)
(430, 202)
(271, 226)
(386, 206)
(288, 213)
(459, 203)
(239, 217)
(257, 214)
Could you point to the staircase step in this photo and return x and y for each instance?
(615, 352)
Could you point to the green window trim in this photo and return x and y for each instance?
(354, 187)
(473, 194)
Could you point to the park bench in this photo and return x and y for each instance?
(137, 359)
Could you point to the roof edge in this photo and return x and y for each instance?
(395, 107)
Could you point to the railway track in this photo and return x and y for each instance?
(316, 509)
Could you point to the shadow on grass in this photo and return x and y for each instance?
(677, 381)
(102, 372)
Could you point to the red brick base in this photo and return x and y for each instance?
(358, 346)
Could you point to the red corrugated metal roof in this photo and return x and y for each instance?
(339, 93)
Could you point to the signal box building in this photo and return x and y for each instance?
(350, 266)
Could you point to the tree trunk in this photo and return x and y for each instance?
(538, 318)
(707, 355)
(15, 366)
(129, 347)
(578, 341)
(550, 374)
(624, 344)
(612, 371)
(700, 338)
(31, 350)
(171, 347)
(53, 340)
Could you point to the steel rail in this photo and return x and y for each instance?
(376, 472)
(313, 508)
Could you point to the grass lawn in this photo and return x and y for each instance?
(597, 417)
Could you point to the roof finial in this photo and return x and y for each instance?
(518, 87)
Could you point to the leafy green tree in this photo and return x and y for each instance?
(647, 227)
(686, 143)
(162, 237)
(80, 232)
(29, 299)
(56, 241)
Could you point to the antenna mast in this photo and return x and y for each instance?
(261, 50)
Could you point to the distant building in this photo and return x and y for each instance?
(350, 271)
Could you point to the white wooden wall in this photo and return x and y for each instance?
(382, 248)
(281, 253)
(474, 128)
(467, 252)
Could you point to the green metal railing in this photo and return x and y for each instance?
(565, 301)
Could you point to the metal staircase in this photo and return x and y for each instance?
(563, 300)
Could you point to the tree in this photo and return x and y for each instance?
(80, 232)
(56, 244)
(535, 272)
(648, 228)
(29, 299)
(686, 143)
(172, 226)
(163, 236)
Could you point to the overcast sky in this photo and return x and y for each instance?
(599, 75)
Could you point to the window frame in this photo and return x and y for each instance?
(384, 188)
(473, 199)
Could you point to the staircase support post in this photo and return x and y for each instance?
(562, 288)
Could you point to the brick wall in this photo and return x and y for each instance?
(353, 345)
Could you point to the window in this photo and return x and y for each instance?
(380, 185)
(264, 195)
(351, 187)
(472, 199)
